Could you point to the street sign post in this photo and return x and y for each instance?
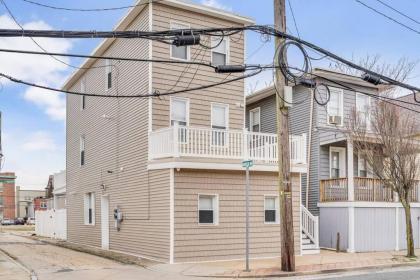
(247, 164)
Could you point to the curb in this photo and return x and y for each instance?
(16, 261)
(308, 273)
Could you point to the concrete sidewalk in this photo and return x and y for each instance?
(325, 262)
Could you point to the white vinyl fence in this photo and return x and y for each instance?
(51, 223)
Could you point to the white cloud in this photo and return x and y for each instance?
(216, 4)
(53, 103)
(40, 141)
(39, 69)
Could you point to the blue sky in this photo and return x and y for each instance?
(33, 121)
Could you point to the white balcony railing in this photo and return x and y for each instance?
(179, 141)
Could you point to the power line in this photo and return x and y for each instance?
(89, 10)
(399, 12)
(39, 45)
(109, 57)
(389, 17)
(15, 80)
(293, 16)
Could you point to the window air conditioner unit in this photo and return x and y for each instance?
(334, 120)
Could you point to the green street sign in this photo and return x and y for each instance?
(247, 163)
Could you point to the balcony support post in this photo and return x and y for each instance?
(245, 148)
(350, 195)
(176, 139)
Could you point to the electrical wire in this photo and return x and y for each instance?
(38, 44)
(89, 10)
(399, 12)
(15, 80)
(389, 17)
(293, 16)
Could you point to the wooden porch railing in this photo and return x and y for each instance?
(365, 189)
(334, 189)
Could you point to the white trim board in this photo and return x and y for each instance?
(364, 204)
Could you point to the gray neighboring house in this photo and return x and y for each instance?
(338, 185)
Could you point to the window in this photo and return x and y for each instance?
(182, 52)
(219, 124)
(108, 72)
(83, 97)
(335, 165)
(43, 205)
(337, 162)
(363, 109)
(179, 116)
(219, 51)
(335, 107)
(363, 166)
(254, 120)
(89, 210)
(82, 150)
(208, 209)
(271, 212)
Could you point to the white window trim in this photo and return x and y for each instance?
(188, 108)
(227, 40)
(108, 69)
(258, 109)
(342, 159)
(341, 92)
(86, 209)
(82, 97)
(188, 26)
(227, 113)
(368, 120)
(277, 209)
(216, 209)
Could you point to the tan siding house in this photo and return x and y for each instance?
(171, 165)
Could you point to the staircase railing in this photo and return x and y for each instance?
(310, 225)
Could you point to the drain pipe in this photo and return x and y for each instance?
(308, 160)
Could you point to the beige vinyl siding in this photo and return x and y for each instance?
(194, 242)
(116, 156)
(165, 77)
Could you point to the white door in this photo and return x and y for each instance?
(105, 222)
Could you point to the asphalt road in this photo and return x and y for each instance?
(408, 273)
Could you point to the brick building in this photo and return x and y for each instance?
(40, 203)
(7, 195)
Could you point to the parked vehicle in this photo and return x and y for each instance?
(7, 222)
(30, 221)
(19, 221)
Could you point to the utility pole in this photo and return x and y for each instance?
(284, 184)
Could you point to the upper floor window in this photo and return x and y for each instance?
(271, 212)
(180, 115)
(43, 204)
(337, 162)
(219, 124)
(83, 97)
(89, 208)
(108, 74)
(363, 109)
(219, 51)
(82, 150)
(335, 107)
(208, 209)
(254, 120)
(179, 111)
(182, 52)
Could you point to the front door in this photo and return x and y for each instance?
(105, 222)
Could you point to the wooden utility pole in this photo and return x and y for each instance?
(284, 184)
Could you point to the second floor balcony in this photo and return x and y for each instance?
(221, 146)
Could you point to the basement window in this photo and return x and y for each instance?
(208, 209)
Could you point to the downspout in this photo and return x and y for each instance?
(308, 160)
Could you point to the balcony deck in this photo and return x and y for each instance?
(365, 189)
(180, 143)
